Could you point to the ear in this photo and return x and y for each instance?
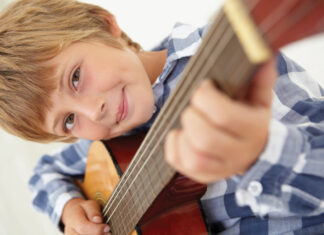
(113, 27)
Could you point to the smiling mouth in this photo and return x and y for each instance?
(123, 108)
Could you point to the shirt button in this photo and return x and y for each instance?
(255, 188)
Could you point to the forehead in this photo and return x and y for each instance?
(70, 52)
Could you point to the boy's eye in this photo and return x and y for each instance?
(75, 78)
(69, 122)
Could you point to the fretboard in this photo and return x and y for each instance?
(222, 57)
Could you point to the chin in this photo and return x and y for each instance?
(145, 118)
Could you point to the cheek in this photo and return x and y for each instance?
(92, 79)
(91, 131)
(142, 106)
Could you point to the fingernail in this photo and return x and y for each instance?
(107, 229)
(97, 219)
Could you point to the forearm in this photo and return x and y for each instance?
(51, 198)
(52, 183)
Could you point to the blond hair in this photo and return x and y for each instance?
(31, 33)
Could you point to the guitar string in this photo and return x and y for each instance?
(258, 0)
(133, 180)
(161, 126)
(151, 138)
(117, 205)
(145, 144)
(151, 154)
(155, 132)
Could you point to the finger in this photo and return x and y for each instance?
(93, 213)
(185, 160)
(171, 147)
(70, 231)
(209, 140)
(205, 137)
(92, 210)
(260, 92)
(220, 109)
(84, 226)
(197, 165)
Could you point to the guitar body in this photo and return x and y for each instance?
(176, 210)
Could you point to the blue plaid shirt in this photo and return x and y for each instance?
(280, 194)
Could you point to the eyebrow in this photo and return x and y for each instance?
(61, 78)
(60, 85)
(56, 121)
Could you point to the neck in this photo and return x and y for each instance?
(153, 62)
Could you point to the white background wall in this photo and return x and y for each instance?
(147, 22)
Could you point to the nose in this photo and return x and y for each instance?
(92, 108)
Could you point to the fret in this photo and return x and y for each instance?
(118, 192)
(151, 183)
(138, 158)
(159, 182)
(135, 213)
(133, 206)
(154, 176)
(128, 226)
(137, 195)
(129, 198)
(146, 195)
(143, 200)
(123, 194)
(140, 209)
(114, 225)
(122, 211)
(111, 204)
(129, 212)
(122, 226)
(157, 178)
(121, 223)
(146, 182)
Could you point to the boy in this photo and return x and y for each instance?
(68, 72)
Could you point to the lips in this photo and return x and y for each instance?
(123, 108)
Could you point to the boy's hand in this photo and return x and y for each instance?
(221, 137)
(82, 216)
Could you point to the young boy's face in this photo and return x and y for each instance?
(102, 92)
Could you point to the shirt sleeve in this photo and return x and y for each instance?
(288, 177)
(52, 183)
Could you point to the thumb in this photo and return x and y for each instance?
(260, 92)
(92, 211)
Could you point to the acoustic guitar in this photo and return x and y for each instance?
(144, 195)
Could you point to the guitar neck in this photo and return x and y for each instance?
(231, 51)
